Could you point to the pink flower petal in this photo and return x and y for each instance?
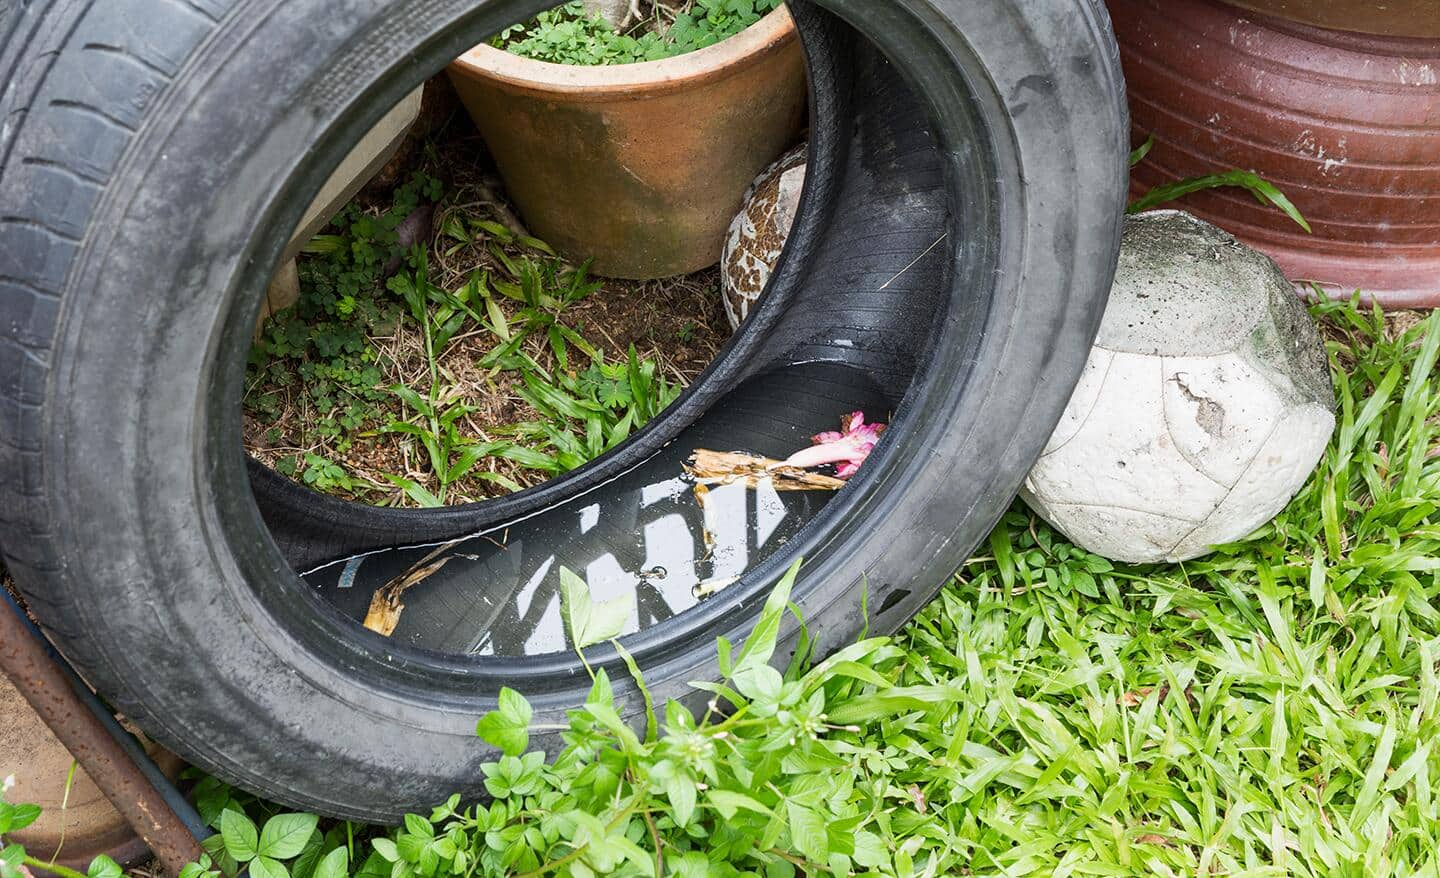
(847, 449)
(819, 455)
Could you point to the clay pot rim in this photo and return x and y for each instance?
(770, 34)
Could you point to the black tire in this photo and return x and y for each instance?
(956, 241)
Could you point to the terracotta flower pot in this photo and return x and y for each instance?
(639, 166)
(1347, 125)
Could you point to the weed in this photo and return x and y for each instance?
(1264, 191)
(1269, 710)
(405, 363)
(585, 415)
(322, 344)
(568, 34)
(707, 22)
(323, 474)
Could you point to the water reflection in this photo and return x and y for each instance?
(643, 533)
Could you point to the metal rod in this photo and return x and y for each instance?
(112, 758)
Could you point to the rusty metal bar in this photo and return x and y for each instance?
(114, 760)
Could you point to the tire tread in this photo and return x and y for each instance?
(41, 173)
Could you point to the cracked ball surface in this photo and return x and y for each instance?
(1204, 406)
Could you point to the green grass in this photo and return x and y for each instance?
(1270, 710)
(1265, 192)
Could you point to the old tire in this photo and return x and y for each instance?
(959, 244)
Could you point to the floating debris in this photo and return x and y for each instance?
(846, 449)
(713, 587)
(386, 606)
(709, 468)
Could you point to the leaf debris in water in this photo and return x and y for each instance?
(709, 468)
(386, 606)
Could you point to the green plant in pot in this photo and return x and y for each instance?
(631, 138)
(596, 32)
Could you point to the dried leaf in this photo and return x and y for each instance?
(386, 606)
(917, 796)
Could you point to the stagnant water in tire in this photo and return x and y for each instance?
(498, 592)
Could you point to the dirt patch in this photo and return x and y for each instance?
(1397, 323)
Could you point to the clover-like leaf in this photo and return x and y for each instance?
(241, 837)
(508, 726)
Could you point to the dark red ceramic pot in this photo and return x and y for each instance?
(1393, 18)
(1346, 124)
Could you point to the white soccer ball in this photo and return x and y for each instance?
(1204, 407)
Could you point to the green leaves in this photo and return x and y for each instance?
(584, 414)
(1140, 152)
(732, 790)
(265, 867)
(242, 839)
(387, 848)
(1269, 710)
(284, 837)
(508, 726)
(590, 623)
(512, 776)
(318, 381)
(12, 858)
(334, 865)
(317, 355)
(1264, 191)
(14, 818)
(104, 867)
(679, 789)
(569, 35)
(416, 492)
(807, 832)
(708, 22)
(752, 672)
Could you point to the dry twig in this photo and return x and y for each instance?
(386, 606)
(727, 468)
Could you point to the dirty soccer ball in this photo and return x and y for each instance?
(759, 232)
(1204, 407)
